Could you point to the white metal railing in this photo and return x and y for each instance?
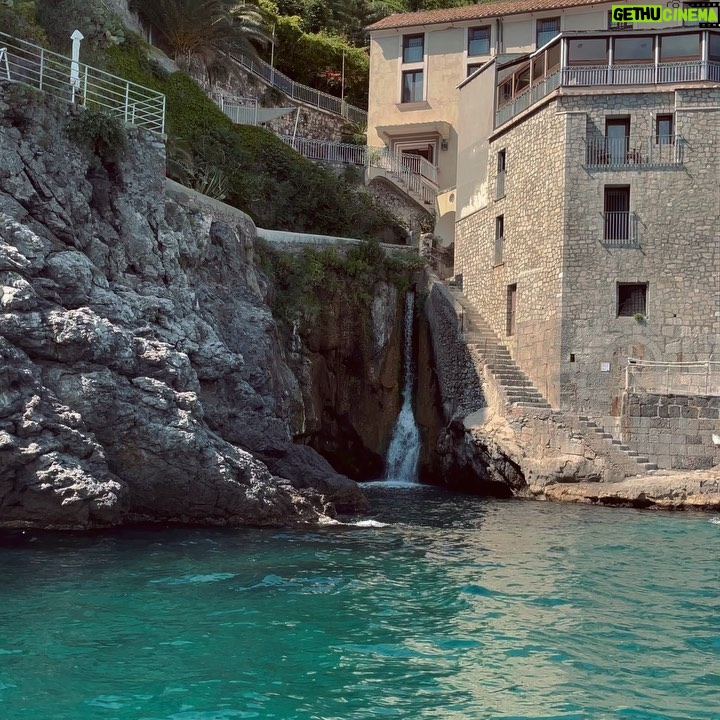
(242, 111)
(628, 152)
(28, 64)
(599, 75)
(620, 229)
(403, 168)
(300, 92)
(666, 378)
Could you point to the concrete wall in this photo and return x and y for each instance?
(475, 124)
(674, 431)
(532, 255)
(678, 256)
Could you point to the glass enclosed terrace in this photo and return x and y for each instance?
(607, 58)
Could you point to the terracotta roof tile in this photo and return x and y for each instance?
(476, 12)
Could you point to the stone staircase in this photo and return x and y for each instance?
(517, 388)
(481, 340)
(643, 462)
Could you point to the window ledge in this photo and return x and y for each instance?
(499, 265)
(423, 105)
(502, 197)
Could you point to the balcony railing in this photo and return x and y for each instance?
(620, 229)
(631, 153)
(407, 170)
(523, 96)
(77, 83)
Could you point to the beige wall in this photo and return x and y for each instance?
(476, 117)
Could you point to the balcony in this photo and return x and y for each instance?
(664, 151)
(620, 229)
(607, 59)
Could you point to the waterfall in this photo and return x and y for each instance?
(404, 451)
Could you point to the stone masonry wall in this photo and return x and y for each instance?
(678, 212)
(532, 254)
(459, 381)
(674, 431)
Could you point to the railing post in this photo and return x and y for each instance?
(42, 67)
(85, 86)
(127, 100)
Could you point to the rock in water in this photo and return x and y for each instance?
(140, 366)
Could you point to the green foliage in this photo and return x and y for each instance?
(18, 18)
(101, 27)
(250, 167)
(306, 284)
(102, 134)
(205, 30)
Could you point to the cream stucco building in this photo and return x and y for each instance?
(419, 60)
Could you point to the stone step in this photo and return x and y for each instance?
(651, 466)
(642, 460)
(524, 403)
(632, 454)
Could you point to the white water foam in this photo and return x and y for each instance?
(715, 521)
(404, 451)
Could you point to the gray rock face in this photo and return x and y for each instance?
(141, 376)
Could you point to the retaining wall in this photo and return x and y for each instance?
(674, 431)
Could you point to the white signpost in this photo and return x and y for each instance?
(76, 38)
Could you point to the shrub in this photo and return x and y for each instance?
(102, 134)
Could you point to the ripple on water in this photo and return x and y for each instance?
(457, 609)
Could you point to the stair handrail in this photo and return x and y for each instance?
(361, 155)
(298, 91)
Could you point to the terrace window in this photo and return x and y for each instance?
(522, 79)
(538, 68)
(546, 30)
(631, 299)
(413, 48)
(412, 86)
(478, 41)
(505, 92)
(679, 47)
(552, 58)
(714, 47)
(617, 139)
(588, 51)
(634, 50)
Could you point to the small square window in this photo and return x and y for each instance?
(412, 86)
(631, 299)
(478, 41)
(547, 29)
(612, 25)
(472, 67)
(413, 48)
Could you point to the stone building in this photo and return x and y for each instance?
(418, 61)
(588, 208)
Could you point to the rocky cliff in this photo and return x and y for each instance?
(141, 372)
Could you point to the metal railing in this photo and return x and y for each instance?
(590, 75)
(665, 378)
(626, 153)
(77, 83)
(500, 185)
(620, 229)
(242, 111)
(300, 92)
(404, 169)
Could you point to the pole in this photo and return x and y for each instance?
(342, 85)
(76, 38)
(297, 119)
(272, 56)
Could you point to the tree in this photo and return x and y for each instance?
(206, 30)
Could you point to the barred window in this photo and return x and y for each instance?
(631, 299)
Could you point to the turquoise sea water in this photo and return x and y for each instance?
(460, 608)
